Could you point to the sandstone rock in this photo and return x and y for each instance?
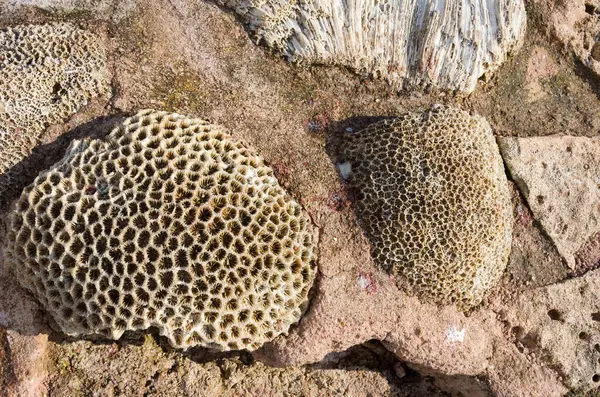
(576, 24)
(558, 176)
(540, 66)
(513, 374)
(147, 369)
(193, 57)
(559, 325)
(28, 372)
(23, 341)
(534, 260)
(588, 257)
(354, 302)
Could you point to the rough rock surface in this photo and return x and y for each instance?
(576, 24)
(545, 324)
(559, 177)
(448, 45)
(534, 260)
(540, 68)
(155, 372)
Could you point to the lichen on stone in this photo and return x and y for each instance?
(432, 196)
(167, 223)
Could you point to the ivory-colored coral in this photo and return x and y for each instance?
(168, 223)
(47, 73)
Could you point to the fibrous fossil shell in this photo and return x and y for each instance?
(447, 44)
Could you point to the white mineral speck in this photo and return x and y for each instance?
(345, 170)
(453, 334)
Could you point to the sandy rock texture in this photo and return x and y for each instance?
(534, 260)
(197, 59)
(152, 371)
(560, 179)
(576, 24)
(364, 304)
(540, 67)
(559, 324)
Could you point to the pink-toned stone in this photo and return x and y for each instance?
(575, 23)
(559, 324)
(436, 340)
(28, 361)
(558, 176)
(540, 66)
(355, 302)
(513, 374)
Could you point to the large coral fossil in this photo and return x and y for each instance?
(448, 44)
(167, 223)
(433, 198)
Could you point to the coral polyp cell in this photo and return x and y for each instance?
(166, 223)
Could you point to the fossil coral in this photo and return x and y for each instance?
(47, 73)
(433, 198)
(447, 44)
(167, 223)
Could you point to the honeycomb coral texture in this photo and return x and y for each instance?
(167, 223)
(47, 73)
(433, 198)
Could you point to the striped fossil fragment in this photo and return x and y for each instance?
(447, 44)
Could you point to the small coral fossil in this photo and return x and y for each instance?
(167, 223)
(448, 44)
(47, 73)
(433, 199)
